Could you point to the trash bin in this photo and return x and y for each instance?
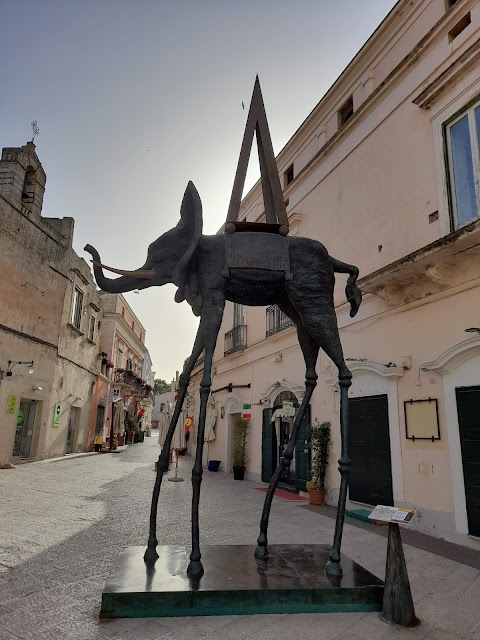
(214, 465)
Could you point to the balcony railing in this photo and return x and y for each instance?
(235, 340)
(133, 382)
(276, 320)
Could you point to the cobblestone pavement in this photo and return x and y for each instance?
(62, 524)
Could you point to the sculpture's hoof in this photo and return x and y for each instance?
(261, 552)
(333, 568)
(150, 556)
(195, 569)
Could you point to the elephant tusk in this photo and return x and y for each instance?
(145, 274)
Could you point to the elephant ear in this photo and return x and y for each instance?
(187, 234)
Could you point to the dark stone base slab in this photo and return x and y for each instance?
(291, 580)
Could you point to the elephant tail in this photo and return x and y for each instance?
(353, 293)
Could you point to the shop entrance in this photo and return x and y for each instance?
(71, 433)
(468, 407)
(276, 431)
(22, 447)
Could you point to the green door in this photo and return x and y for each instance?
(269, 446)
(369, 447)
(468, 407)
(302, 453)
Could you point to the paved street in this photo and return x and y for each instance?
(62, 524)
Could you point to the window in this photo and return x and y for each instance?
(288, 176)
(459, 27)
(346, 112)
(463, 142)
(28, 190)
(119, 357)
(237, 314)
(76, 318)
(276, 320)
(129, 364)
(91, 328)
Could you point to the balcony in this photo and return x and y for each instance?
(235, 340)
(132, 382)
(276, 320)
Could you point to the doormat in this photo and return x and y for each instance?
(284, 495)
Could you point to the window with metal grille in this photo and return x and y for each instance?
(463, 146)
(276, 320)
(76, 318)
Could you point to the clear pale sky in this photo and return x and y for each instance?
(134, 98)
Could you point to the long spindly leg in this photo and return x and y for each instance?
(310, 353)
(323, 328)
(211, 320)
(151, 554)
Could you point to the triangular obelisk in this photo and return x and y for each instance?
(275, 211)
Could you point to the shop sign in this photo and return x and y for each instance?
(56, 415)
(11, 404)
(247, 411)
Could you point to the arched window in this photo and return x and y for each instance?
(29, 184)
(285, 396)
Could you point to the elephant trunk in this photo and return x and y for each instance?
(118, 285)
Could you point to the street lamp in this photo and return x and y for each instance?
(13, 363)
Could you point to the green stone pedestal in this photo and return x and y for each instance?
(291, 580)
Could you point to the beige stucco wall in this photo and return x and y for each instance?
(368, 192)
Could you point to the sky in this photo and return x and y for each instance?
(134, 98)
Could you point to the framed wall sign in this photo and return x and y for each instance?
(421, 419)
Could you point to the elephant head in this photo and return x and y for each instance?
(168, 257)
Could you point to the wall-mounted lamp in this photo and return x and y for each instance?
(13, 363)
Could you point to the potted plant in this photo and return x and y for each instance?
(130, 430)
(319, 442)
(239, 448)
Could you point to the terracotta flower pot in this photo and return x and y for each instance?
(317, 496)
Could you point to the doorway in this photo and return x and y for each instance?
(232, 419)
(369, 447)
(100, 420)
(275, 437)
(71, 433)
(22, 447)
(468, 407)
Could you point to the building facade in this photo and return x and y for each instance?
(50, 315)
(385, 172)
(122, 343)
